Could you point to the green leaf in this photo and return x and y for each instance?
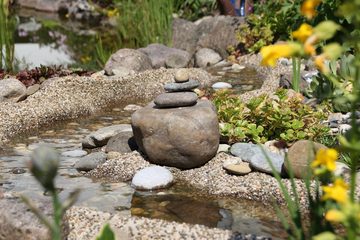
(326, 30)
(106, 233)
(332, 50)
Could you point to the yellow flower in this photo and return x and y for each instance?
(337, 191)
(270, 54)
(308, 8)
(304, 31)
(327, 158)
(309, 47)
(334, 215)
(320, 63)
(112, 13)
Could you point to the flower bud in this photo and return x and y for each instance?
(43, 165)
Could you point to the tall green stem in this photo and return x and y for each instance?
(58, 211)
(296, 74)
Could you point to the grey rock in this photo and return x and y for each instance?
(223, 148)
(178, 61)
(32, 89)
(122, 142)
(343, 128)
(182, 75)
(237, 67)
(74, 153)
(12, 90)
(185, 35)
(129, 59)
(176, 99)
(90, 161)
(221, 85)
(335, 117)
(300, 154)
(178, 137)
(259, 161)
(178, 87)
(151, 178)
(245, 150)
(100, 137)
(341, 169)
(42, 5)
(132, 107)
(206, 57)
(159, 53)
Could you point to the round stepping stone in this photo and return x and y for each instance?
(181, 76)
(179, 87)
(177, 99)
(151, 178)
(221, 85)
(238, 169)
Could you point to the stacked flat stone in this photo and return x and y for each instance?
(179, 93)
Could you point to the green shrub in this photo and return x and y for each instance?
(265, 118)
(194, 9)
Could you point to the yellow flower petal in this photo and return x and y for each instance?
(336, 192)
(308, 8)
(326, 157)
(334, 215)
(304, 31)
(270, 54)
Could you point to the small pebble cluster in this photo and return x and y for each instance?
(340, 123)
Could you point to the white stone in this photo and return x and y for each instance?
(221, 85)
(343, 128)
(223, 148)
(237, 67)
(74, 153)
(153, 177)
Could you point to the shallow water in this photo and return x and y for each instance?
(178, 203)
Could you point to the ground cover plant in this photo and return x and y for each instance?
(267, 117)
(334, 208)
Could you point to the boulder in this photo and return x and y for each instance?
(151, 178)
(122, 142)
(185, 138)
(300, 154)
(91, 161)
(159, 53)
(127, 59)
(185, 35)
(206, 57)
(100, 137)
(12, 90)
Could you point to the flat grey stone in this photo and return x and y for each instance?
(91, 161)
(176, 99)
(245, 150)
(238, 169)
(259, 162)
(178, 87)
(32, 89)
(221, 85)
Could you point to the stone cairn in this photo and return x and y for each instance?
(177, 129)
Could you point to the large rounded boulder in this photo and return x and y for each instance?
(185, 137)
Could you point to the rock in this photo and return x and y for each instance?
(245, 150)
(178, 137)
(100, 137)
(341, 169)
(221, 85)
(179, 87)
(206, 57)
(278, 147)
(343, 128)
(176, 99)
(122, 142)
(113, 155)
(238, 169)
(74, 153)
(185, 35)
(259, 161)
(42, 5)
(129, 59)
(231, 160)
(151, 178)
(218, 33)
(132, 107)
(90, 161)
(300, 154)
(12, 90)
(177, 61)
(159, 53)
(335, 117)
(182, 75)
(32, 89)
(237, 67)
(223, 148)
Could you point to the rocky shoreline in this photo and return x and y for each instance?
(71, 97)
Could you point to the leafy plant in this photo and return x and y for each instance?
(323, 86)
(264, 118)
(194, 9)
(253, 34)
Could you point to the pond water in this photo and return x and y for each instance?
(178, 203)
